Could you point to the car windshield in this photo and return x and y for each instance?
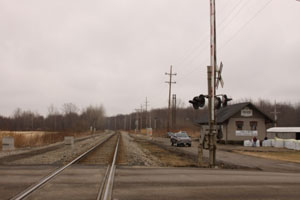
(181, 134)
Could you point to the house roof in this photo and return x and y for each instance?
(225, 113)
(284, 130)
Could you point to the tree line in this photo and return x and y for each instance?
(186, 116)
(68, 118)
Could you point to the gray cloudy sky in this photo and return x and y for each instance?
(115, 52)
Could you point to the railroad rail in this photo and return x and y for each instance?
(109, 180)
(105, 190)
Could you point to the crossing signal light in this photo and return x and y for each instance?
(225, 100)
(218, 102)
(221, 102)
(198, 101)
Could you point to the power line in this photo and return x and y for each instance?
(224, 44)
(222, 29)
(233, 17)
(247, 22)
(204, 39)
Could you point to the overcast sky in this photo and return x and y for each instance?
(115, 52)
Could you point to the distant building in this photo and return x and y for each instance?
(284, 132)
(239, 122)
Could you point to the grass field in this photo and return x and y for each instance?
(291, 156)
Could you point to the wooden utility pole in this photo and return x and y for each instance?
(275, 112)
(146, 105)
(141, 116)
(136, 120)
(169, 104)
(150, 121)
(211, 73)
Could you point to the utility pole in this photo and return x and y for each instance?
(174, 111)
(275, 112)
(169, 104)
(211, 73)
(141, 116)
(136, 120)
(150, 121)
(146, 105)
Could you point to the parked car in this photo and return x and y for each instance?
(170, 134)
(181, 139)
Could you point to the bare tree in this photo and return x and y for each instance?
(94, 115)
(68, 108)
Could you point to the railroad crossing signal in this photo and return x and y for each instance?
(225, 100)
(218, 102)
(199, 101)
(219, 76)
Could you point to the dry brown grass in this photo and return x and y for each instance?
(163, 132)
(37, 138)
(292, 156)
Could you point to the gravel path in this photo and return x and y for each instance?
(136, 156)
(59, 155)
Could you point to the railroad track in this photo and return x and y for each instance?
(104, 154)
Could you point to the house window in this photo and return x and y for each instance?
(253, 125)
(239, 125)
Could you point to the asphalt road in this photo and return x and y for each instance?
(193, 183)
(15, 179)
(141, 183)
(276, 180)
(77, 182)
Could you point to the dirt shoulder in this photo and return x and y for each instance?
(170, 156)
(229, 155)
(279, 155)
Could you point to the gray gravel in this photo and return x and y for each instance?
(60, 155)
(136, 155)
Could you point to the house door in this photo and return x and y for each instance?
(297, 136)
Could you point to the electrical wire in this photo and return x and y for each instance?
(239, 30)
(221, 46)
(247, 22)
(203, 41)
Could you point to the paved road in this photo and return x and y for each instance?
(15, 179)
(239, 159)
(192, 183)
(77, 182)
(82, 182)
